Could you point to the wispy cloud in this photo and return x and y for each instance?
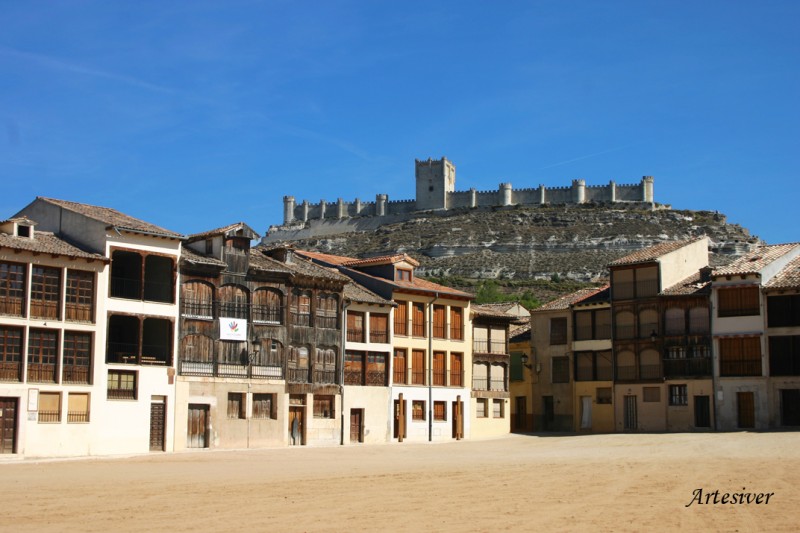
(587, 156)
(304, 133)
(59, 64)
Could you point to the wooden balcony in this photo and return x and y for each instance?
(10, 371)
(42, 373)
(693, 367)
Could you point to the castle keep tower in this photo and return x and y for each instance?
(435, 178)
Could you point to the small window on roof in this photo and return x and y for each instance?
(209, 246)
(23, 230)
(402, 274)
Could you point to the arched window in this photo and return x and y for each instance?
(197, 299)
(267, 306)
(301, 307)
(232, 302)
(648, 323)
(626, 365)
(698, 321)
(649, 364)
(480, 376)
(232, 352)
(624, 328)
(269, 361)
(325, 365)
(197, 355)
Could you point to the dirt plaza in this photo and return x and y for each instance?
(640, 482)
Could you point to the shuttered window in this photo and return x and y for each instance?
(456, 323)
(418, 320)
(401, 319)
(439, 322)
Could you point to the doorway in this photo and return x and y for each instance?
(8, 425)
(520, 413)
(356, 425)
(630, 416)
(549, 417)
(197, 433)
(158, 412)
(790, 407)
(702, 412)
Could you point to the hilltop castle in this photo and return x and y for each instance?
(435, 191)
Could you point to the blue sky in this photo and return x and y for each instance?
(193, 115)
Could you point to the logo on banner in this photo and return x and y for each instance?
(233, 329)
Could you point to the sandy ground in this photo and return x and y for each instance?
(516, 483)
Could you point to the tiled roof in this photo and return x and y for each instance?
(753, 262)
(502, 307)
(327, 258)
(487, 311)
(112, 217)
(652, 253)
(419, 284)
(602, 295)
(222, 230)
(264, 263)
(307, 268)
(520, 333)
(356, 293)
(689, 286)
(382, 260)
(788, 278)
(566, 301)
(46, 243)
(192, 257)
(23, 219)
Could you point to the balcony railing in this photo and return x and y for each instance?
(233, 310)
(128, 353)
(354, 377)
(326, 321)
(601, 373)
(586, 333)
(497, 384)
(77, 416)
(121, 394)
(355, 335)
(126, 288)
(456, 379)
(325, 376)
(375, 378)
(197, 308)
(297, 375)
(690, 367)
(740, 368)
(480, 383)
(626, 372)
(42, 372)
(10, 371)
(301, 319)
(208, 368)
(49, 416)
(399, 376)
(44, 309)
(639, 289)
(646, 372)
(625, 332)
(12, 306)
(481, 346)
(650, 372)
(78, 312)
(379, 336)
(439, 378)
(75, 374)
(418, 377)
(267, 314)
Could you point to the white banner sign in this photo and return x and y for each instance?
(233, 329)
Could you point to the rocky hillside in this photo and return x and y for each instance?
(518, 245)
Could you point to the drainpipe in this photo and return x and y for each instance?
(430, 367)
(341, 369)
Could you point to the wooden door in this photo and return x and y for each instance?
(356, 425)
(158, 412)
(746, 409)
(296, 425)
(702, 412)
(197, 434)
(790, 407)
(8, 425)
(631, 418)
(399, 419)
(520, 413)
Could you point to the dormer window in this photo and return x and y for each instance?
(209, 247)
(402, 274)
(23, 231)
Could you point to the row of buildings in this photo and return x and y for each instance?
(670, 344)
(118, 336)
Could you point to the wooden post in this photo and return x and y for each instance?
(459, 418)
(401, 418)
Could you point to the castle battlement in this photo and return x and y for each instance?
(435, 188)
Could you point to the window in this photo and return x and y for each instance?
(558, 331)
(593, 366)
(232, 302)
(439, 322)
(481, 408)
(267, 308)
(323, 406)
(77, 407)
(121, 385)
(783, 311)
(457, 323)
(561, 369)
(209, 247)
(738, 301)
(49, 407)
(402, 274)
(80, 296)
(439, 371)
(638, 282)
(624, 328)
(517, 372)
(418, 367)
(399, 366)
(674, 321)
(699, 321)
(264, 406)
(379, 327)
(10, 353)
(77, 357)
(355, 326)
(740, 356)
(42, 355)
(138, 277)
(439, 411)
(401, 319)
(594, 324)
(297, 366)
(45, 292)
(784, 355)
(418, 320)
(498, 408)
(301, 308)
(678, 395)
(354, 367)
(12, 289)
(327, 310)
(651, 394)
(376, 369)
(456, 370)
(418, 410)
(236, 405)
(480, 376)
(648, 323)
(603, 395)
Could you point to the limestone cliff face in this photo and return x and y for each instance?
(572, 242)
